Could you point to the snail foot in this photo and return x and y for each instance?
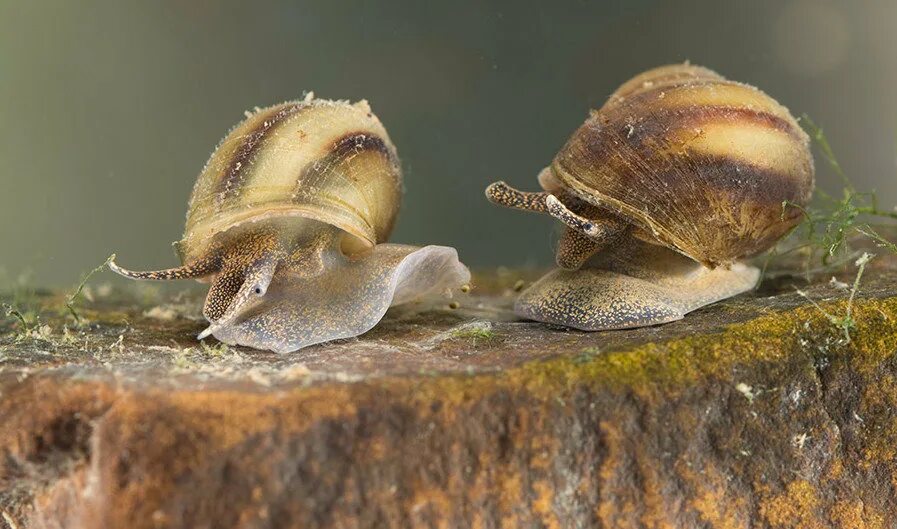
(592, 299)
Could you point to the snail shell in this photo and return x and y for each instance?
(288, 222)
(663, 189)
(702, 164)
(330, 161)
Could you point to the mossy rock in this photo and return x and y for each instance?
(754, 412)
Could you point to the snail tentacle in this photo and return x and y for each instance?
(502, 194)
(590, 229)
(202, 267)
(601, 228)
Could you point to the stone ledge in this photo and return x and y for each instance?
(755, 412)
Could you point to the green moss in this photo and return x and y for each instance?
(485, 334)
(216, 350)
(25, 319)
(185, 360)
(832, 223)
(680, 363)
(845, 322)
(477, 331)
(663, 369)
(587, 355)
(72, 299)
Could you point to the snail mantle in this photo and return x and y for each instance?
(752, 412)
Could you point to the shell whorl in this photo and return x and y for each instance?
(330, 161)
(703, 163)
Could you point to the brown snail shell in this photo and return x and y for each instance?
(288, 222)
(701, 163)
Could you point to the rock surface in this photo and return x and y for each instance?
(751, 413)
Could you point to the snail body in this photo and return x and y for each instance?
(694, 170)
(288, 222)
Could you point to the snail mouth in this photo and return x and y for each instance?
(233, 316)
(211, 329)
(214, 326)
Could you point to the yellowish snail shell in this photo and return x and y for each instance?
(288, 221)
(663, 190)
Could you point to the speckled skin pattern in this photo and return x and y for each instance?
(504, 195)
(574, 249)
(633, 285)
(246, 259)
(286, 284)
(247, 264)
(346, 299)
(611, 278)
(589, 228)
(202, 267)
(285, 222)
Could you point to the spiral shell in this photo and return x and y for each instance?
(709, 167)
(329, 161)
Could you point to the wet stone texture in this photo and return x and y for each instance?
(752, 413)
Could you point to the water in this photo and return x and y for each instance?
(109, 110)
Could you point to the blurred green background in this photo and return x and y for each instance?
(109, 110)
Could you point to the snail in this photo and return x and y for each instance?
(288, 222)
(663, 192)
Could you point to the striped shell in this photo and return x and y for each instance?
(701, 163)
(329, 161)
